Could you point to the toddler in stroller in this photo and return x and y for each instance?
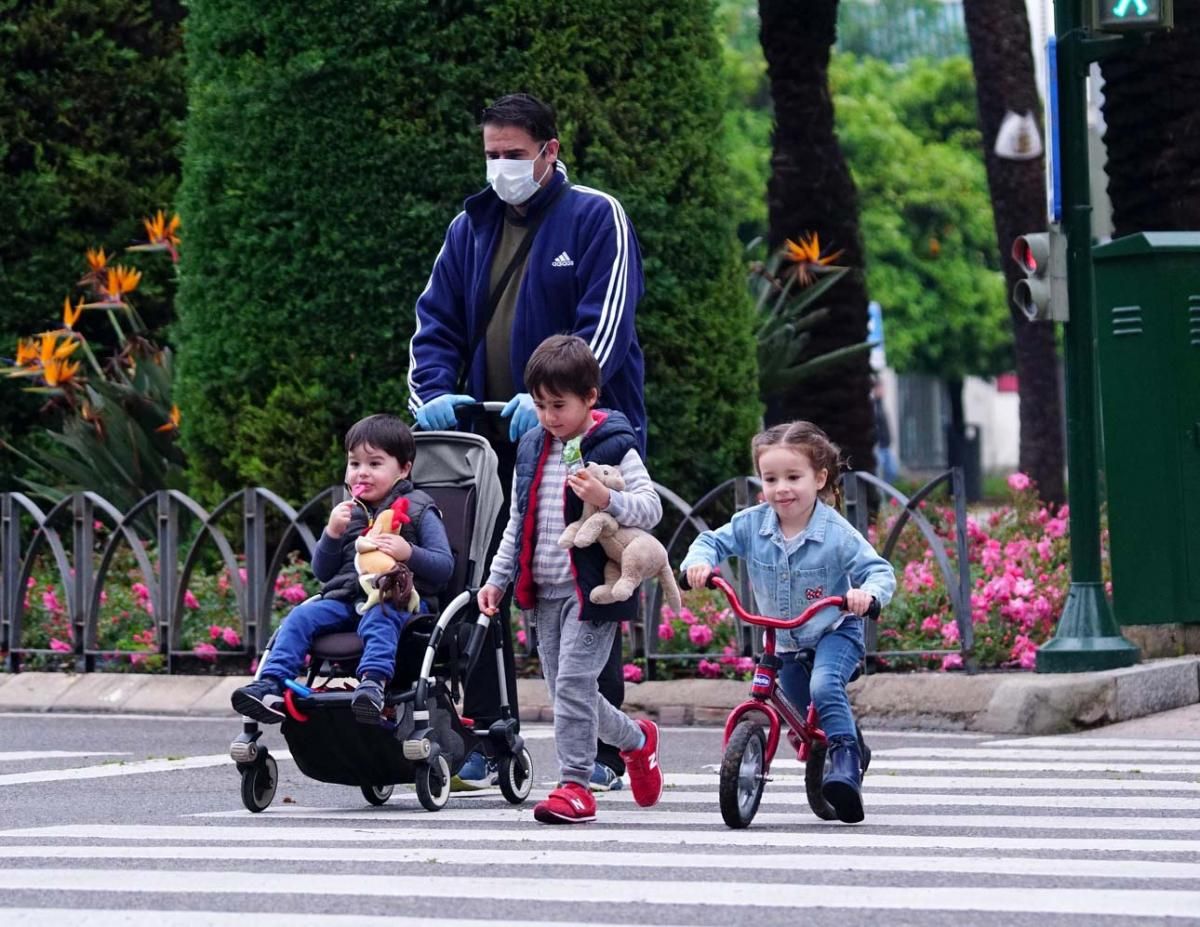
(420, 737)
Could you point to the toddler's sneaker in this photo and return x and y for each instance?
(567, 804)
(262, 701)
(476, 773)
(367, 703)
(605, 779)
(645, 776)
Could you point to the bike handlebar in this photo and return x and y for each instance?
(783, 624)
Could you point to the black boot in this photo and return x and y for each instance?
(841, 786)
(863, 751)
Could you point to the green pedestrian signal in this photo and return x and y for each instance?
(1132, 15)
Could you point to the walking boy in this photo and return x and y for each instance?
(575, 636)
(379, 456)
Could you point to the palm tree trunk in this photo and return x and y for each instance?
(998, 32)
(811, 190)
(1153, 134)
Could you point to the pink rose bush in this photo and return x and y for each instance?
(1019, 562)
(127, 629)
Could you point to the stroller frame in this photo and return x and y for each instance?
(428, 741)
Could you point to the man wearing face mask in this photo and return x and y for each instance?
(530, 256)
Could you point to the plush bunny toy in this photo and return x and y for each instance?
(633, 554)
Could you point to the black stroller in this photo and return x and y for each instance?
(427, 741)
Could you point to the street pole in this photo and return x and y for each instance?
(1087, 637)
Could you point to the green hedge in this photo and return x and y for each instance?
(91, 104)
(328, 146)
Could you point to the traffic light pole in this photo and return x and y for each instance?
(1087, 637)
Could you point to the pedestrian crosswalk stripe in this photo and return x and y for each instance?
(490, 858)
(888, 799)
(23, 756)
(1077, 742)
(523, 814)
(980, 753)
(884, 763)
(807, 833)
(122, 917)
(878, 780)
(675, 893)
(108, 770)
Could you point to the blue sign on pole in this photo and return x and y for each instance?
(1053, 162)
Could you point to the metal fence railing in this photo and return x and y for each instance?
(251, 534)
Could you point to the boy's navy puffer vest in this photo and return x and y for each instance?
(344, 585)
(606, 443)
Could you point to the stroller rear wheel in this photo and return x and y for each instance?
(258, 783)
(516, 776)
(433, 784)
(377, 794)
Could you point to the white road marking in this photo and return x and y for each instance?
(1086, 742)
(686, 818)
(22, 756)
(108, 770)
(804, 832)
(883, 763)
(93, 917)
(888, 799)
(791, 862)
(742, 895)
(1063, 754)
(880, 780)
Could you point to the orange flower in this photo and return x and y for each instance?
(27, 352)
(97, 260)
(160, 232)
(119, 281)
(59, 372)
(71, 316)
(162, 235)
(51, 351)
(173, 422)
(807, 256)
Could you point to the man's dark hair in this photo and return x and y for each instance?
(525, 112)
(562, 365)
(387, 433)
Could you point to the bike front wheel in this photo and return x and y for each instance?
(743, 774)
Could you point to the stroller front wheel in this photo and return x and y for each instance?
(377, 794)
(259, 781)
(433, 784)
(516, 776)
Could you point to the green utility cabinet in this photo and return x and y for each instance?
(1148, 341)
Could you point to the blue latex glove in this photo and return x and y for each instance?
(438, 414)
(524, 415)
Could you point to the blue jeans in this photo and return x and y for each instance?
(837, 654)
(887, 466)
(379, 628)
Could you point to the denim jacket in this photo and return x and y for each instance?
(829, 558)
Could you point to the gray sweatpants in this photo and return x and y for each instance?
(573, 653)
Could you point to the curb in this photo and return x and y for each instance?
(992, 703)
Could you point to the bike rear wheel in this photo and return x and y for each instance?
(743, 774)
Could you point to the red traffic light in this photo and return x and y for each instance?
(1032, 252)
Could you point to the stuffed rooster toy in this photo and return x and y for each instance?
(378, 573)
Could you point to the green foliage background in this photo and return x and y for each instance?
(329, 145)
(91, 109)
(911, 137)
(910, 133)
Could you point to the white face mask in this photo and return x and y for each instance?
(513, 180)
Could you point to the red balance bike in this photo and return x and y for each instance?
(749, 748)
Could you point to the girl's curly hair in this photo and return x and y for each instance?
(813, 443)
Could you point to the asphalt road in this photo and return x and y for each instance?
(138, 820)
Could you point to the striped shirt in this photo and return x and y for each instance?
(636, 506)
